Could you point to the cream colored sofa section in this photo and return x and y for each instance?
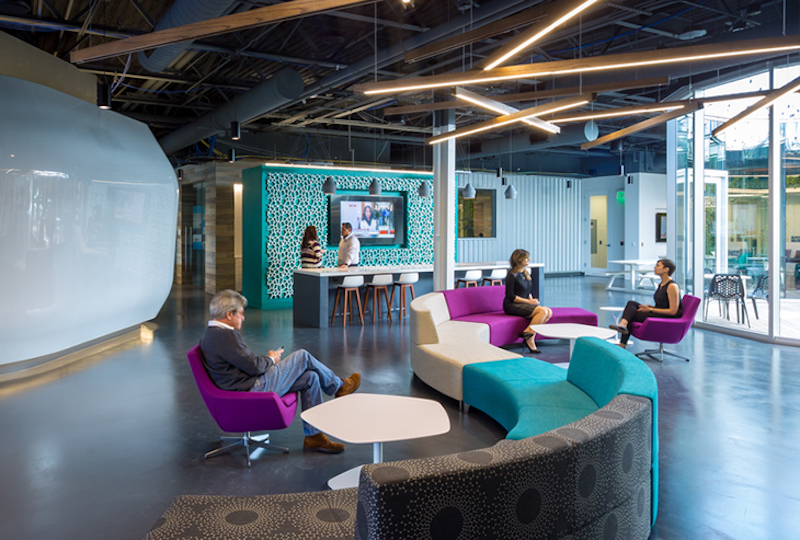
(440, 348)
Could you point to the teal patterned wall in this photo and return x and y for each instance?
(292, 199)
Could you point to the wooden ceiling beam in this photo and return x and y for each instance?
(641, 126)
(294, 9)
(539, 94)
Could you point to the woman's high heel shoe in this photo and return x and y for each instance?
(530, 350)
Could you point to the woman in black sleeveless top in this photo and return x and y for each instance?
(520, 302)
(667, 300)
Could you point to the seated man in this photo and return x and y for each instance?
(233, 366)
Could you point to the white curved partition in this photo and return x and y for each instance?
(88, 212)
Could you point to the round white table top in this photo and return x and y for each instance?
(369, 418)
(612, 308)
(572, 331)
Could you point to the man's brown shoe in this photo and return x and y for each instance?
(349, 385)
(321, 443)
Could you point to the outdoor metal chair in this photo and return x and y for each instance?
(724, 288)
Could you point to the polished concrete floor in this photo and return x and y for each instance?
(97, 450)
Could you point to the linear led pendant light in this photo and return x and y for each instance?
(619, 111)
(535, 33)
(768, 100)
(753, 47)
(502, 108)
(645, 124)
(507, 119)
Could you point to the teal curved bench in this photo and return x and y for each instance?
(529, 397)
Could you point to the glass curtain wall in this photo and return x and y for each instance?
(736, 193)
(733, 230)
(788, 116)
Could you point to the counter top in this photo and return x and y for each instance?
(399, 269)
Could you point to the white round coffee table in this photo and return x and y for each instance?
(572, 331)
(376, 418)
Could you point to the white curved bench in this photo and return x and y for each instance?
(440, 348)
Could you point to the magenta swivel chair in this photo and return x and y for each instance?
(663, 330)
(242, 411)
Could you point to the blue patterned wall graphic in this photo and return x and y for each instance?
(294, 200)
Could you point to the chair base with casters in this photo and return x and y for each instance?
(666, 330)
(661, 351)
(242, 412)
(246, 440)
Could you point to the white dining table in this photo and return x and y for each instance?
(632, 267)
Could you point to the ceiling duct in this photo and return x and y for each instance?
(570, 136)
(282, 88)
(181, 13)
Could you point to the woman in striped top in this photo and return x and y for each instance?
(310, 250)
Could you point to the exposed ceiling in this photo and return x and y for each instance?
(333, 51)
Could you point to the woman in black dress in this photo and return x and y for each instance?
(667, 299)
(520, 302)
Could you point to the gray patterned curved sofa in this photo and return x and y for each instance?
(585, 480)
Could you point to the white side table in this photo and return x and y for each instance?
(376, 418)
(572, 331)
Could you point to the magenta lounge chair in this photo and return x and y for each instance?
(242, 411)
(666, 330)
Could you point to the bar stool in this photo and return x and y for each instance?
(350, 285)
(380, 284)
(406, 282)
(470, 278)
(496, 278)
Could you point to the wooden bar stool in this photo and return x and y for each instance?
(380, 284)
(349, 285)
(406, 282)
(470, 278)
(497, 277)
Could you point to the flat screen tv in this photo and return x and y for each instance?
(377, 220)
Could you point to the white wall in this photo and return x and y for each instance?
(544, 219)
(645, 196)
(88, 207)
(608, 186)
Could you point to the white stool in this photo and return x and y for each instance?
(406, 282)
(497, 277)
(350, 285)
(380, 283)
(470, 278)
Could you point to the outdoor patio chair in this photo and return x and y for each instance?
(724, 288)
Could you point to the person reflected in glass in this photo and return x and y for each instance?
(666, 299)
(368, 221)
(520, 302)
(310, 250)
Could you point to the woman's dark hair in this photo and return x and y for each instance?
(669, 265)
(310, 235)
(364, 214)
(516, 259)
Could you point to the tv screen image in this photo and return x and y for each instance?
(370, 219)
(377, 220)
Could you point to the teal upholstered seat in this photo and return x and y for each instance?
(526, 396)
(529, 397)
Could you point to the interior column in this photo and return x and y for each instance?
(444, 203)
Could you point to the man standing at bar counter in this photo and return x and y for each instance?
(349, 247)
